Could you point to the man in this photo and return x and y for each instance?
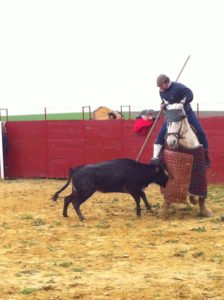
(144, 121)
(174, 92)
(115, 115)
(4, 138)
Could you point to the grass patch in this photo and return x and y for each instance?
(57, 223)
(77, 225)
(65, 264)
(7, 246)
(215, 277)
(56, 116)
(221, 218)
(78, 269)
(41, 117)
(157, 205)
(115, 200)
(217, 259)
(28, 242)
(129, 225)
(103, 225)
(199, 229)
(216, 192)
(181, 253)
(198, 254)
(5, 225)
(28, 291)
(25, 217)
(38, 222)
(26, 272)
(172, 241)
(52, 248)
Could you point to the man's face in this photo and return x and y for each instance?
(149, 116)
(164, 86)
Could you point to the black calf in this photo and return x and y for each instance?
(118, 175)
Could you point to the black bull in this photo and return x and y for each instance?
(118, 175)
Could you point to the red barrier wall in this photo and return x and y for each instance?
(49, 148)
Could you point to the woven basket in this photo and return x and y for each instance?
(179, 166)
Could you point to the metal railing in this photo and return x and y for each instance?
(85, 113)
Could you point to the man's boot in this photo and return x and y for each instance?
(156, 152)
(207, 159)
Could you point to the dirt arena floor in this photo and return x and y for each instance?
(112, 254)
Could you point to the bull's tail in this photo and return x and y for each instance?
(56, 195)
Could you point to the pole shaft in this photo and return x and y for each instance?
(183, 68)
(148, 135)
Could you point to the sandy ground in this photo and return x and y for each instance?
(112, 254)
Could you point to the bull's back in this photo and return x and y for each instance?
(111, 176)
(117, 168)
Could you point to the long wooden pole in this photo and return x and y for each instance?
(154, 124)
(183, 68)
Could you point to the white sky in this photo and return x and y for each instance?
(71, 53)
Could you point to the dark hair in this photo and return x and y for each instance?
(162, 78)
(112, 115)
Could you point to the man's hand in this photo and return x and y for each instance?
(162, 106)
(183, 101)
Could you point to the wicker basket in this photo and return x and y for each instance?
(179, 166)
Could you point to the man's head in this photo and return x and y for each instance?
(163, 81)
(149, 113)
(115, 115)
(112, 115)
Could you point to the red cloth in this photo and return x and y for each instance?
(141, 126)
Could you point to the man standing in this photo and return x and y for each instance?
(175, 92)
(4, 138)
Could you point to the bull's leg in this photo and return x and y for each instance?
(78, 200)
(144, 198)
(67, 201)
(137, 198)
(76, 204)
(204, 210)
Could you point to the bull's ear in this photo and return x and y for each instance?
(157, 169)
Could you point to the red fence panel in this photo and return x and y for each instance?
(214, 129)
(27, 153)
(103, 140)
(65, 146)
(49, 148)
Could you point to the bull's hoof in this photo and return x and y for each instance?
(151, 211)
(65, 215)
(148, 208)
(206, 212)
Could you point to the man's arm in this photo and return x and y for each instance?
(186, 94)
